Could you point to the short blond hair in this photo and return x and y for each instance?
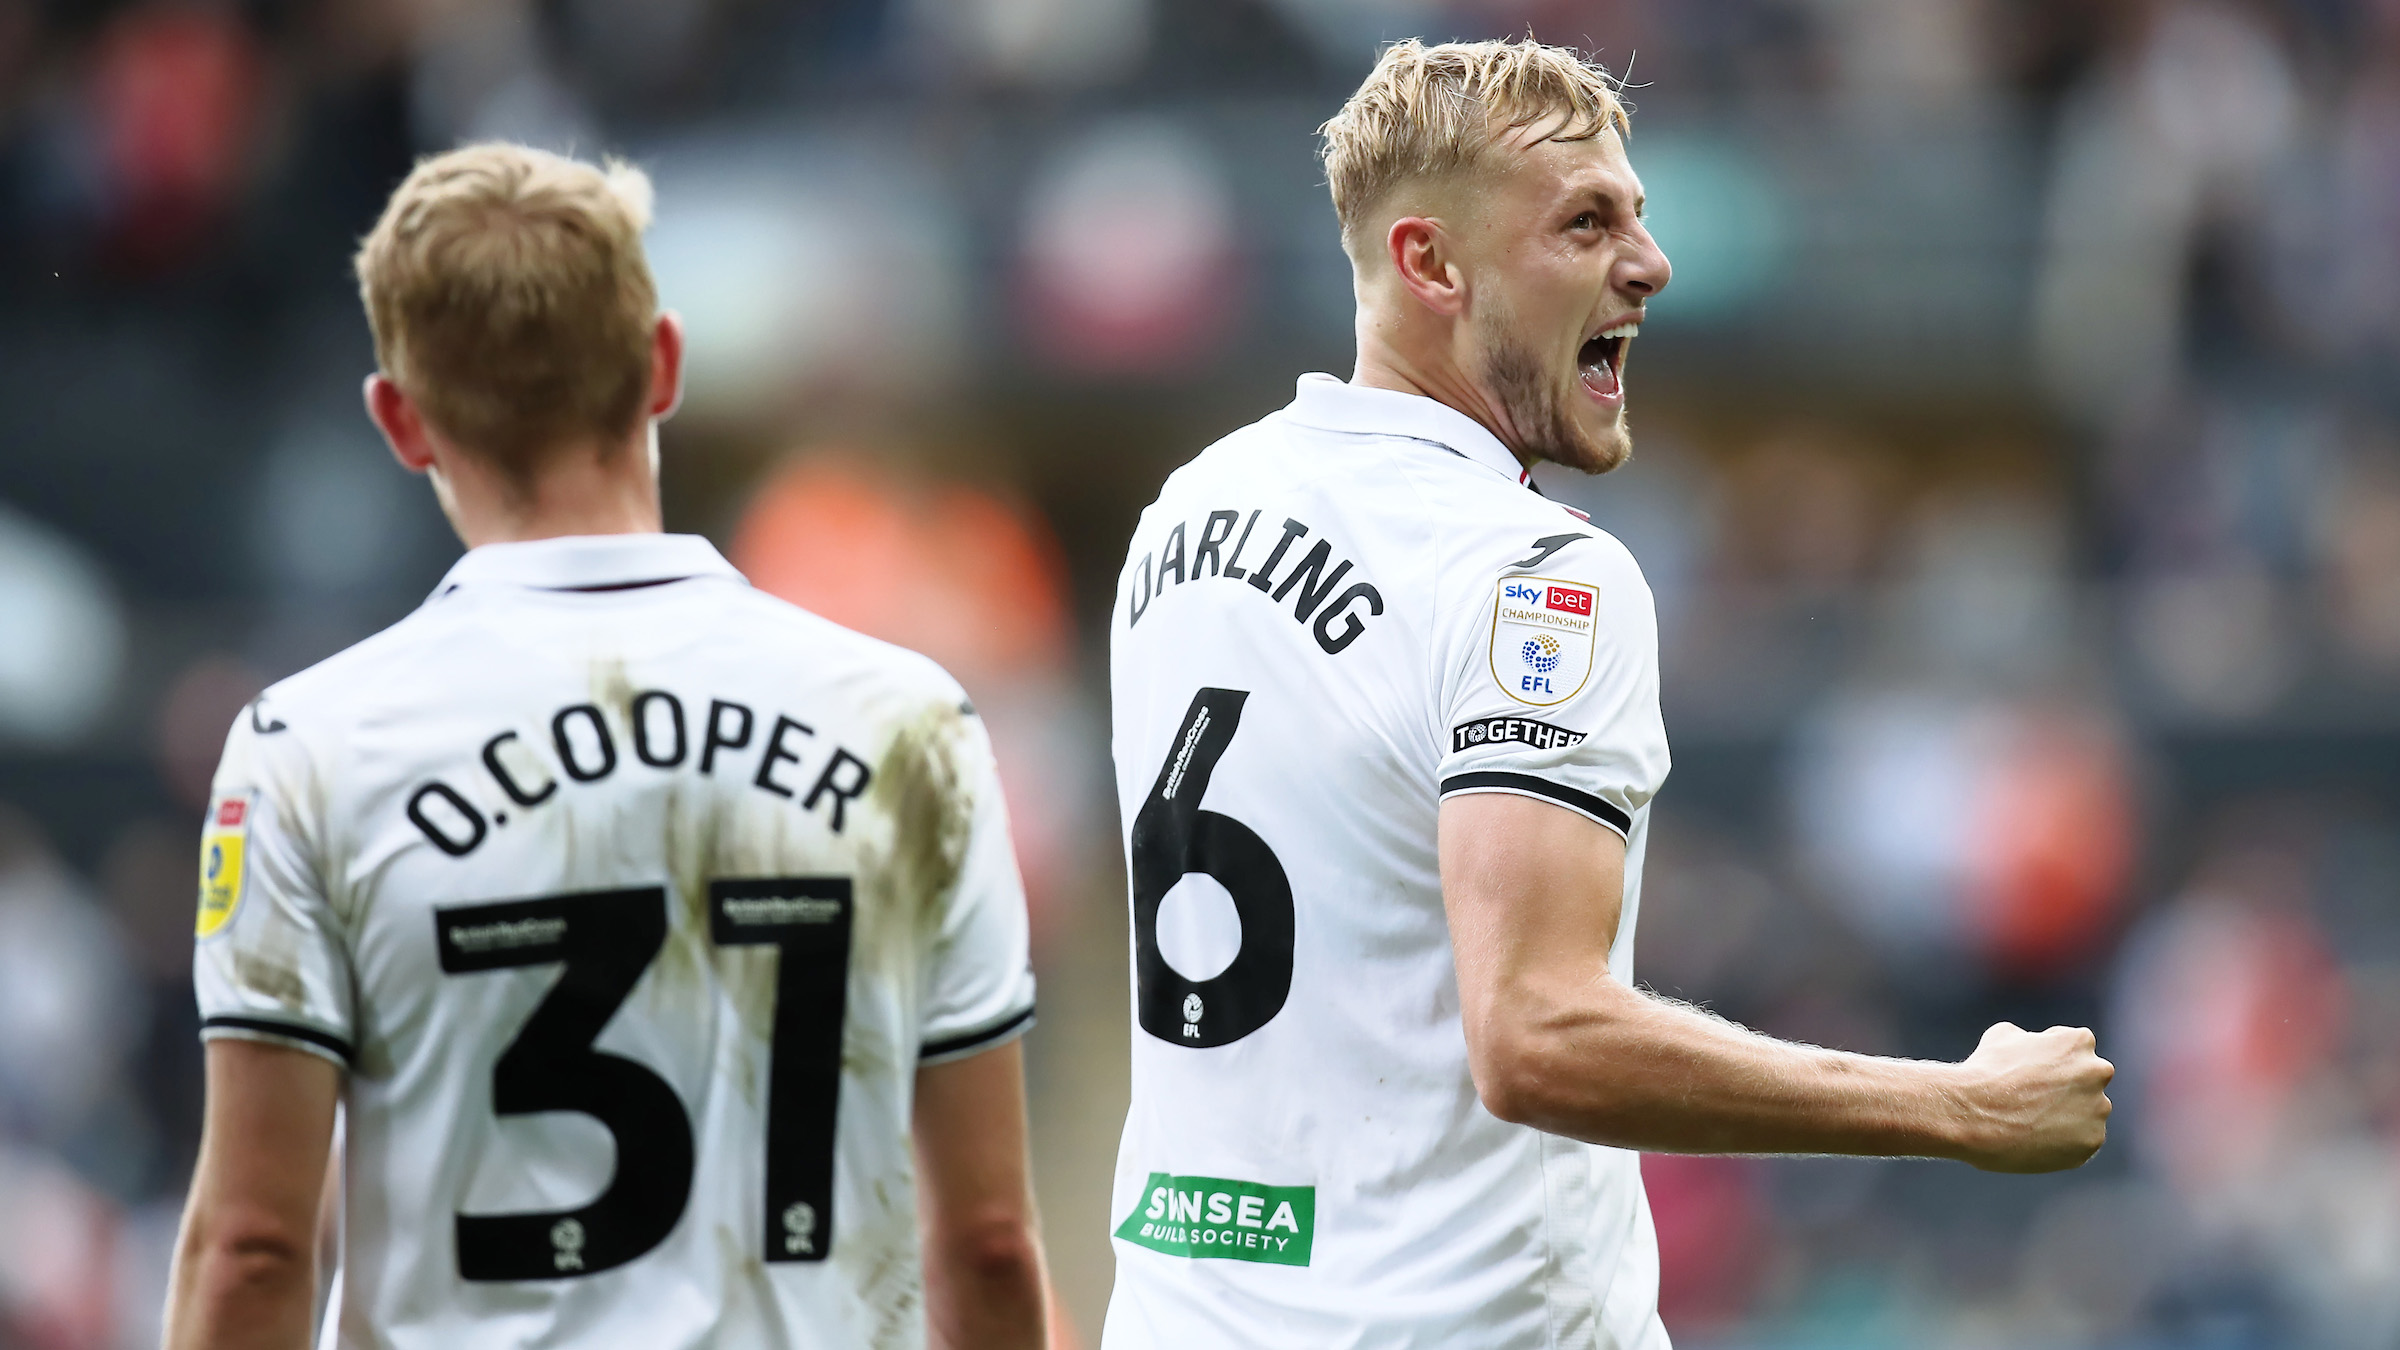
(1435, 112)
(509, 297)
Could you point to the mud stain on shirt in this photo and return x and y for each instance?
(921, 790)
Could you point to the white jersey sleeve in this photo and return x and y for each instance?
(980, 990)
(270, 962)
(1549, 678)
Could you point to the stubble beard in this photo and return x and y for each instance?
(1537, 411)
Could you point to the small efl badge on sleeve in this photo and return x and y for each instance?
(1542, 638)
(223, 842)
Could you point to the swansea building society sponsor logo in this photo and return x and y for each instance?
(1211, 1217)
(1511, 730)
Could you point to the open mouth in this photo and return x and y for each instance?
(1602, 362)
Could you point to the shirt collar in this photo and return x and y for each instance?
(589, 562)
(1333, 405)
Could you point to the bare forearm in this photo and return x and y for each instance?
(1614, 1066)
(1556, 1042)
(986, 1292)
(984, 1284)
(246, 1261)
(236, 1294)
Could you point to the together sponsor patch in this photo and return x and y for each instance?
(1211, 1217)
(1507, 730)
(223, 842)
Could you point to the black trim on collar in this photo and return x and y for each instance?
(618, 585)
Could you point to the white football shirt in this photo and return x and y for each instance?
(631, 899)
(1328, 622)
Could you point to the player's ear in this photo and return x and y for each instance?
(395, 415)
(1420, 250)
(666, 365)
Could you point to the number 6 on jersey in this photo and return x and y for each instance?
(1173, 838)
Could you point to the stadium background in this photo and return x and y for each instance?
(2019, 476)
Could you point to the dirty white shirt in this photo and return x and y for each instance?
(630, 900)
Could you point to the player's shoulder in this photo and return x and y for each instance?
(802, 633)
(1490, 525)
(776, 632)
(343, 685)
(1239, 456)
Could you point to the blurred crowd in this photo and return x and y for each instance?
(2018, 472)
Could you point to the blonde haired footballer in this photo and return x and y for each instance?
(661, 941)
(1387, 738)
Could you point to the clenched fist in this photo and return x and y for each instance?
(2036, 1101)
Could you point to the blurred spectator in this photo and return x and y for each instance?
(65, 993)
(65, 635)
(2171, 131)
(2357, 307)
(175, 95)
(193, 718)
(1129, 254)
(1032, 42)
(1955, 831)
(2362, 556)
(484, 72)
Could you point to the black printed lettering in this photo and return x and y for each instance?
(441, 839)
(566, 747)
(775, 754)
(1313, 591)
(508, 784)
(715, 739)
(1507, 730)
(829, 783)
(639, 714)
(1237, 573)
(1352, 625)
(1170, 557)
(1213, 532)
(1292, 530)
(1140, 600)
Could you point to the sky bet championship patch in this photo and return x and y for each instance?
(222, 843)
(1542, 637)
(1201, 1217)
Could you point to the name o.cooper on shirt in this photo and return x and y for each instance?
(584, 744)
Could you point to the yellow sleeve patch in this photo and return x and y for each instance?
(222, 844)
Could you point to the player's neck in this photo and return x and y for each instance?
(575, 494)
(1384, 363)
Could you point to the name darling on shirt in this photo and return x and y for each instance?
(1314, 577)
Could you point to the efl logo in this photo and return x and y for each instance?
(229, 813)
(1570, 600)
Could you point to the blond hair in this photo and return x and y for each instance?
(1435, 112)
(509, 297)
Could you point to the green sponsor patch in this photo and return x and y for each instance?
(1234, 1220)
